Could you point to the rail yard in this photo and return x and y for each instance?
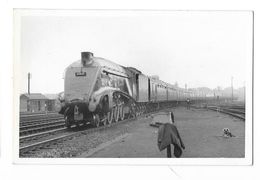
(105, 104)
(47, 136)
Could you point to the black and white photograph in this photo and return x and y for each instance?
(161, 86)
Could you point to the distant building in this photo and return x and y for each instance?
(33, 102)
(52, 101)
(37, 102)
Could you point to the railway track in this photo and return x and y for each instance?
(64, 137)
(47, 143)
(230, 111)
(25, 130)
(36, 136)
(41, 143)
(24, 119)
(37, 123)
(26, 114)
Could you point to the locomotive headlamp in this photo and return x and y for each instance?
(86, 58)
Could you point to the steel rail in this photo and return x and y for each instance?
(225, 111)
(34, 146)
(39, 118)
(37, 114)
(49, 142)
(234, 111)
(39, 135)
(33, 121)
(41, 124)
(30, 131)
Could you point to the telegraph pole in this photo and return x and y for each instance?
(232, 87)
(29, 77)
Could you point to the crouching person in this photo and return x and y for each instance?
(168, 134)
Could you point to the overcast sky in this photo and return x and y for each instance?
(189, 47)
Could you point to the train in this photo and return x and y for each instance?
(98, 91)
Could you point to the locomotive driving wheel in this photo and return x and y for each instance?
(120, 109)
(122, 113)
(104, 121)
(110, 117)
(116, 113)
(133, 111)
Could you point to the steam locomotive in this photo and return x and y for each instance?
(100, 92)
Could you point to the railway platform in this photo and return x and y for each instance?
(201, 131)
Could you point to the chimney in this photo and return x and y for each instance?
(29, 78)
(86, 58)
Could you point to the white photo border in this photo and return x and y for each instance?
(248, 160)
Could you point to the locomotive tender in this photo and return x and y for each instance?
(99, 91)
